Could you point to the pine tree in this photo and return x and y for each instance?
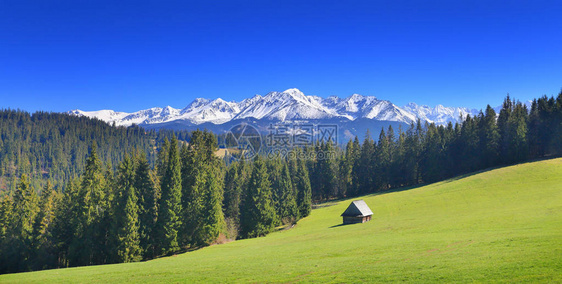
(19, 247)
(490, 138)
(170, 208)
(193, 163)
(363, 168)
(163, 157)
(66, 222)
(430, 163)
(212, 218)
(125, 221)
(44, 245)
(273, 166)
(258, 214)
(6, 216)
(325, 172)
(556, 145)
(148, 196)
(232, 192)
(302, 186)
(469, 143)
(234, 181)
(504, 129)
(519, 147)
(90, 243)
(288, 211)
(382, 162)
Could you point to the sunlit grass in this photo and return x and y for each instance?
(503, 225)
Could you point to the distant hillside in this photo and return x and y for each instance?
(501, 225)
(54, 146)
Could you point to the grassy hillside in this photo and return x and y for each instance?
(499, 225)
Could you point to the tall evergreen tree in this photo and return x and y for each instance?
(163, 157)
(382, 162)
(288, 211)
(18, 248)
(363, 170)
(504, 129)
(489, 137)
(5, 215)
(125, 221)
(518, 147)
(89, 246)
(212, 218)
(430, 165)
(148, 196)
(169, 209)
(232, 192)
(301, 183)
(45, 256)
(66, 221)
(258, 215)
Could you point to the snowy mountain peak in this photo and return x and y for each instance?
(356, 97)
(289, 105)
(439, 114)
(294, 92)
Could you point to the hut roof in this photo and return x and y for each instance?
(357, 208)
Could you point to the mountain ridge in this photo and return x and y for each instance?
(289, 105)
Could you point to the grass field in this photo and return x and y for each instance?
(503, 225)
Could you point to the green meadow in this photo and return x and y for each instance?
(501, 225)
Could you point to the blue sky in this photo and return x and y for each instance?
(132, 55)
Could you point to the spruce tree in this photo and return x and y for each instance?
(304, 191)
(490, 138)
(231, 206)
(19, 246)
(170, 208)
(233, 185)
(212, 218)
(193, 163)
(66, 222)
(125, 221)
(6, 203)
(90, 243)
(45, 256)
(5, 215)
(382, 162)
(148, 196)
(363, 168)
(288, 211)
(504, 129)
(258, 214)
(518, 147)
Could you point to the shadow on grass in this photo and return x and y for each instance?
(339, 225)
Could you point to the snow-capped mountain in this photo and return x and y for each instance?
(291, 104)
(439, 114)
(286, 106)
(358, 106)
(106, 115)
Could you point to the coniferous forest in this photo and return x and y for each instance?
(77, 191)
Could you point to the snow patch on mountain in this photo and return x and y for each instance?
(106, 115)
(440, 114)
(289, 105)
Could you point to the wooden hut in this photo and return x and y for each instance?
(357, 212)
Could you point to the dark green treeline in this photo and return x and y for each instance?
(54, 146)
(188, 200)
(429, 153)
